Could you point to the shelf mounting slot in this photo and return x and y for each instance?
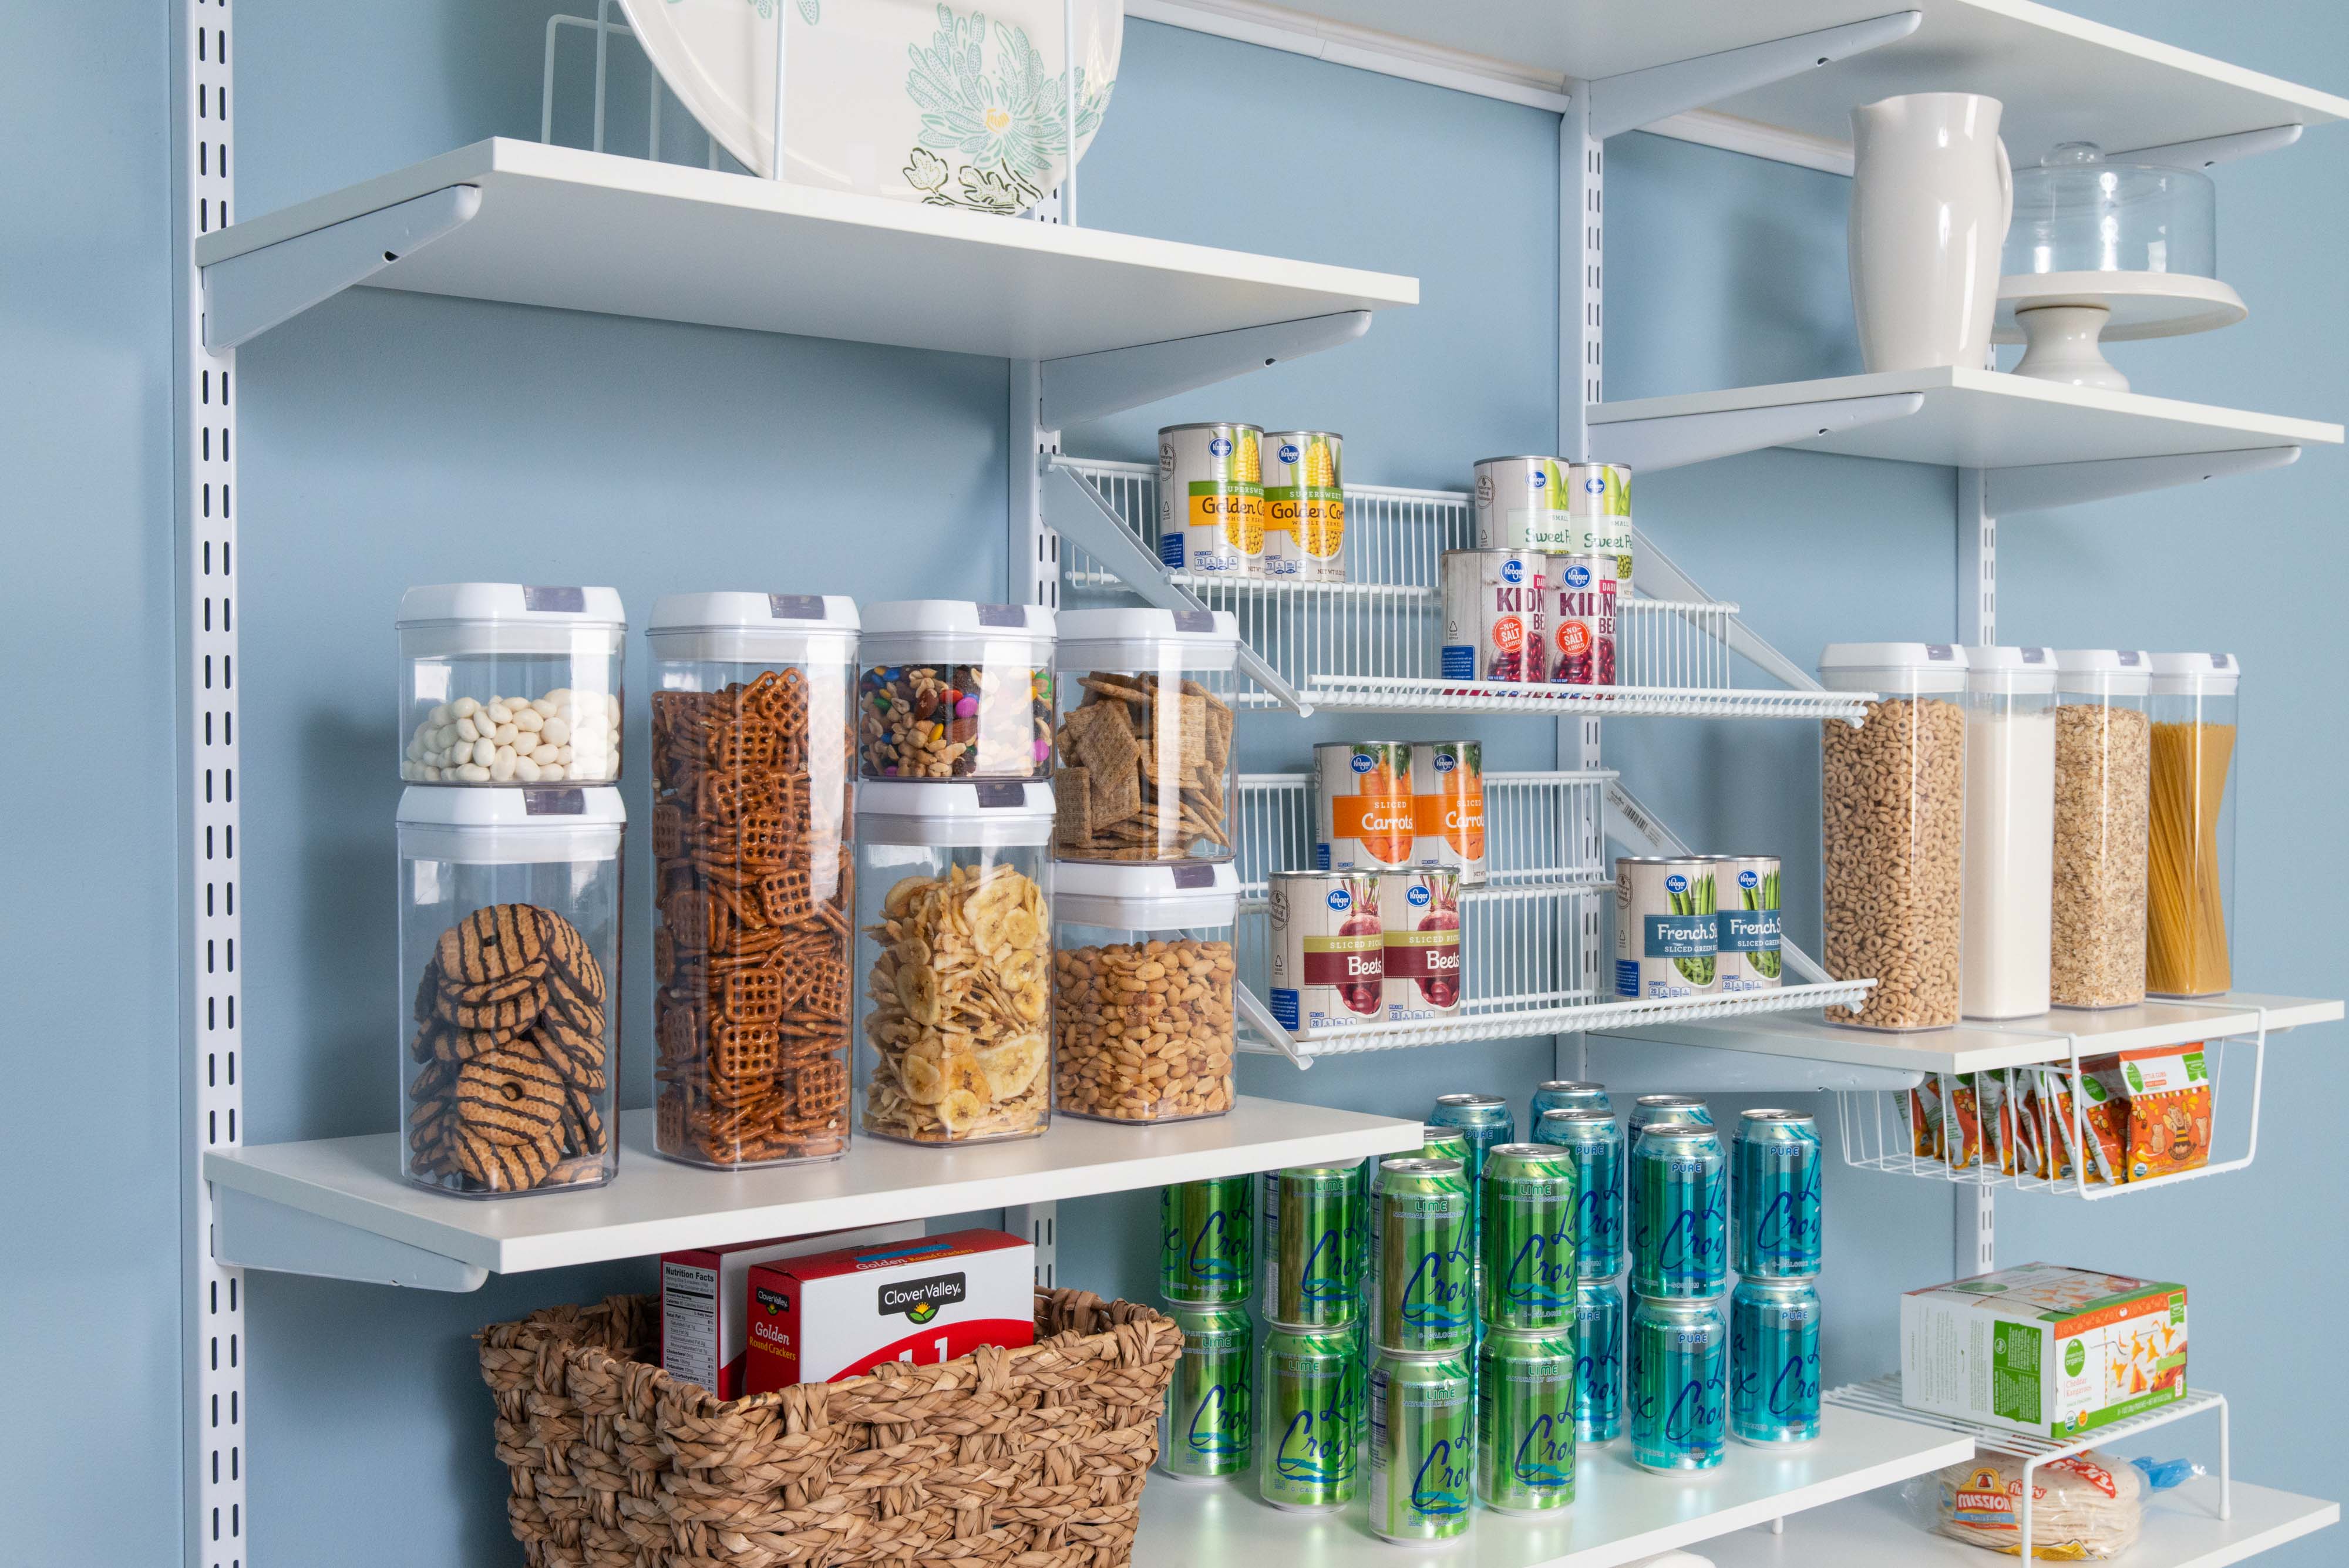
(2037, 487)
(255, 1232)
(1083, 386)
(1679, 440)
(1635, 99)
(246, 295)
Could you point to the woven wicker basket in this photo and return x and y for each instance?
(1032, 1456)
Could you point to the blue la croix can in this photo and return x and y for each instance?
(1598, 1147)
(1598, 1361)
(1677, 1384)
(1776, 1168)
(1678, 1189)
(1774, 1362)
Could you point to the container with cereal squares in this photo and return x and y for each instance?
(510, 684)
(753, 875)
(1147, 767)
(1142, 990)
(954, 888)
(508, 988)
(954, 689)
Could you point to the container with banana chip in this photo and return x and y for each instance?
(508, 988)
(1143, 973)
(953, 887)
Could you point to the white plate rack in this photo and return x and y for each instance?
(1523, 934)
(1881, 1397)
(1369, 645)
(1875, 1125)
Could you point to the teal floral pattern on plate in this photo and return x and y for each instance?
(1009, 126)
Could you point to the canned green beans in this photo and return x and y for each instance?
(1678, 1384)
(1421, 1299)
(1747, 922)
(1679, 1189)
(1596, 1145)
(1527, 1244)
(1311, 1395)
(1310, 1239)
(1774, 1362)
(1525, 1420)
(1205, 1432)
(1206, 1249)
(1667, 941)
(1423, 1443)
(1775, 1167)
(1598, 1361)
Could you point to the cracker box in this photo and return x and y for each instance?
(830, 1315)
(703, 1289)
(2043, 1349)
(2150, 1110)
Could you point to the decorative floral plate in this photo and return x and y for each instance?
(951, 106)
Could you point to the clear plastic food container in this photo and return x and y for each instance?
(953, 689)
(954, 886)
(1147, 767)
(508, 684)
(2191, 868)
(2103, 783)
(508, 988)
(1893, 834)
(2010, 831)
(752, 874)
(1142, 967)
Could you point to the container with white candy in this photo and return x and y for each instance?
(507, 684)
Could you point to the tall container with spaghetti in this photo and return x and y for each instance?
(2191, 870)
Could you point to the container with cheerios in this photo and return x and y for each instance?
(1143, 973)
(948, 689)
(954, 887)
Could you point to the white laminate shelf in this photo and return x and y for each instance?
(575, 230)
(2182, 1529)
(337, 1207)
(2060, 77)
(1620, 1514)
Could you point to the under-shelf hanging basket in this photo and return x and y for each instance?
(1036, 1454)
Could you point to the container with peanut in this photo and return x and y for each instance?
(2103, 773)
(1142, 977)
(1893, 832)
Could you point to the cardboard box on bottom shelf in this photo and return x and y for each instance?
(830, 1315)
(704, 1290)
(2043, 1349)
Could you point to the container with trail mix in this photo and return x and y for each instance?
(753, 872)
(1893, 790)
(954, 689)
(508, 988)
(1147, 767)
(955, 944)
(1142, 967)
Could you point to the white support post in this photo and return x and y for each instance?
(1977, 561)
(1034, 550)
(1582, 274)
(1040, 1224)
(214, 1379)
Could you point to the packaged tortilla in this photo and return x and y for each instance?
(2083, 1508)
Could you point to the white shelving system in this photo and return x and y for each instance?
(1095, 323)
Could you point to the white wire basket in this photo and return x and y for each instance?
(1876, 1126)
(1369, 645)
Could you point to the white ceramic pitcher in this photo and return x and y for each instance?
(1932, 195)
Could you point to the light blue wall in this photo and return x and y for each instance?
(390, 439)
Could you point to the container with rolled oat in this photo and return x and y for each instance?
(953, 689)
(2103, 776)
(1892, 843)
(752, 874)
(1142, 1011)
(1147, 768)
(954, 886)
(508, 988)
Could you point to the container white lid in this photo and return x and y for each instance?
(954, 814)
(755, 629)
(1146, 897)
(1143, 640)
(898, 630)
(2195, 674)
(2102, 671)
(510, 617)
(1919, 666)
(521, 827)
(2011, 671)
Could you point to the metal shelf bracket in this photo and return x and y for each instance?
(2007, 491)
(1662, 577)
(246, 295)
(253, 1232)
(1680, 439)
(1084, 387)
(1635, 99)
(2211, 150)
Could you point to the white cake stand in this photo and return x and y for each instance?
(2065, 315)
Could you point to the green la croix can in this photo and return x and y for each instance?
(1422, 1300)
(1311, 1391)
(1204, 1431)
(1207, 1247)
(1525, 1419)
(1422, 1442)
(1527, 1241)
(1310, 1239)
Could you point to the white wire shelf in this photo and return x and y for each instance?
(1370, 645)
(1517, 1018)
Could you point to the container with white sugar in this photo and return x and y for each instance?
(2009, 855)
